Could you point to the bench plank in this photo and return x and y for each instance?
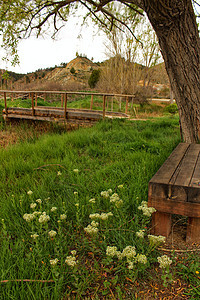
(169, 167)
(188, 164)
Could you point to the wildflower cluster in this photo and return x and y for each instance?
(106, 194)
(52, 233)
(129, 253)
(156, 240)
(28, 217)
(114, 198)
(54, 262)
(102, 216)
(164, 261)
(140, 233)
(147, 211)
(44, 218)
(92, 228)
(71, 260)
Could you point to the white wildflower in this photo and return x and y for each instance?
(120, 186)
(76, 170)
(75, 193)
(129, 252)
(140, 233)
(119, 255)
(141, 258)
(110, 214)
(91, 229)
(109, 191)
(94, 224)
(59, 173)
(33, 205)
(54, 262)
(94, 216)
(29, 193)
(130, 265)
(34, 236)
(63, 217)
(92, 200)
(104, 216)
(77, 205)
(28, 217)
(53, 209)
(156, 240)
(111, 251)
(36, 213)
(71, 261)
(73, 252)
(105, 194)
(164, 261)
(114, 197)
(38, 201)
(147, 211)
(119, 203)
(52, 233)
(43, 218)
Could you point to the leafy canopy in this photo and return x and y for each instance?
(21, 18)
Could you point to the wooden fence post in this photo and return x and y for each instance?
(35, 99)
(126, 111)
(91, 103)
(112, 104)
(5, 101)
(65, 106)
(32, 103)
(104, 106)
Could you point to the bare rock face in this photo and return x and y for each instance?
(78, 69)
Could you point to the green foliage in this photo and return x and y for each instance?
(172, 109)
(72, 70)
(94, 78)
(66, 171)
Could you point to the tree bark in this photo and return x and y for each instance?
(174, 22)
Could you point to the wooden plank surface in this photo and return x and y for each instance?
(188, 164)
(175, 207)
(195, 182)
(169, 167)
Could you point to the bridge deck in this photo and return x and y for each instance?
(58, 114)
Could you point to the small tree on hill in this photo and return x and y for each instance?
(72, 70)
(94, 78)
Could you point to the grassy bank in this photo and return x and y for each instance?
(50, 190)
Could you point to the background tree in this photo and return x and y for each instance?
(94, 78)
(174, 22)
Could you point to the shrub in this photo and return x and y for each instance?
(72, 70)
(172, 108)
(94, 78)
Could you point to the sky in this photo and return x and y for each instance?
(43, 52)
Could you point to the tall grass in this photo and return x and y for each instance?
(65, 171)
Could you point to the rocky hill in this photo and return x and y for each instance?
(69, 76)
(75, 73)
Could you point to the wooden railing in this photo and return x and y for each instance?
(33, 95)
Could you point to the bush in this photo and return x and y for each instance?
(72, 70)
(94, 78)
(172, 108)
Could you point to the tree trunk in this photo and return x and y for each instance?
(175, 25)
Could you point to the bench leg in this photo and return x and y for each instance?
(193, 230)
(161, 223)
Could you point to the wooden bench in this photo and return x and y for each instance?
(175, 189)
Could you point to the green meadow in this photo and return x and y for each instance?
(74, 223)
